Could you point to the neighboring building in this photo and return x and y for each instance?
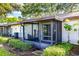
(45, 31)
(4, 29)
(15, 31)
(10, 29)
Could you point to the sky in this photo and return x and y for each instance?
(15, 14)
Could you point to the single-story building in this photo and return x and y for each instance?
(4, 29)
(45, 31)
(10, 29)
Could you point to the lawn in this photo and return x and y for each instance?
(4, 52)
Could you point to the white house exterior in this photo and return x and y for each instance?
(10, 29)
(46, 31)
(15, 29)
(74, 35)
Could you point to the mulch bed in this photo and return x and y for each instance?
(20, 53)
(75, 51)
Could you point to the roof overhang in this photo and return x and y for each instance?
(59, 17)
(71, 16)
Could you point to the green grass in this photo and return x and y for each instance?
(60, 49)
(4, 52)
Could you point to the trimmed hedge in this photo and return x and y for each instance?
(61, 49)
(18, 44)
(3, 39)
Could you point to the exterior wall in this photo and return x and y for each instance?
(15, 29)
(9, 31)
(21, 32)
(73, 34)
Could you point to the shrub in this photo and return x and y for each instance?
(78, 41)
(61, 49)
(18, 44)
(3, 39)
(4, 52)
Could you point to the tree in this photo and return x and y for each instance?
(7, 8)
(40, 9)
(68, 28)
(8, 20)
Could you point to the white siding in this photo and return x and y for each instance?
(15, 29)
(21, 32)
(28, 30)
(73, 34)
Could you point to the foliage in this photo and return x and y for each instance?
(4, 52)
(76, 26)
(16, 43)
(40, 9)
(61, 49)
(3, 39)
(68, 27)
(78, 41)
(11, 19)
(66, 46)
(7, 7)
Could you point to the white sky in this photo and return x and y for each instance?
(15, 14)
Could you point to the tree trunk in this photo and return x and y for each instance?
(68, 37)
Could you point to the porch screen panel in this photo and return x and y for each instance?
(47, 31)
(54, 31)
(35, 32)
(59, 31)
